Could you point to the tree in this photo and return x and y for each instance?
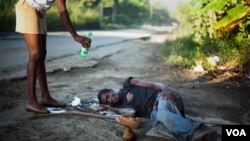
(216, 17)
(223, 27)
(114, 11)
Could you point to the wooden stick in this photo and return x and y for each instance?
(69, 113)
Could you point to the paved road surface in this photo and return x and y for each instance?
(63, 51)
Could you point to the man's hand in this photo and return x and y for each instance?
(129, 112)
(169, 96)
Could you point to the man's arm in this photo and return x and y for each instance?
(63, 12)
(128, 112)
(144, 83)
(166, 91)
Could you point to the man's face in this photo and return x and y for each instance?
(110, 98)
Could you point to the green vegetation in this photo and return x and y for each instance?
(7, 15)
(134, 13)
(86, 14)
(206, 27)
(176, 51)
(211, 28)
(82, 16)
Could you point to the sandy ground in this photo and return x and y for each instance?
(214, 102)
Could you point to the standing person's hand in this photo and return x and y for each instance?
(83, 40)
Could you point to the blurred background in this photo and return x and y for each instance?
(100, 14)
(210, 33)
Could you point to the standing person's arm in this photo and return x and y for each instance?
(63, 12)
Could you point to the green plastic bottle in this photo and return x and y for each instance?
(84, 51)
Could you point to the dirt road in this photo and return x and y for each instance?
(224, 102)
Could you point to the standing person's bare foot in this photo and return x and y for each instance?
(50, 102)
(36, 108)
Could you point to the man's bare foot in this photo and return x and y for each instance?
(205, 133)
(50, 102)
(36, 108)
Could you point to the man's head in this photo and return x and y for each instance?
(108, 97)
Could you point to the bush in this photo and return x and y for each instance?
(7, 15)
(182, 51)
(197, 39)
(81, 17)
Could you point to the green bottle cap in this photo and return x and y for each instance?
(89, 34)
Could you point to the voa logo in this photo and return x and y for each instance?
(236, 132)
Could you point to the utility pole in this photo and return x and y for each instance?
(114, 11)
(151, 10)
(101, 14)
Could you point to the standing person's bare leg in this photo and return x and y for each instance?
(34, 45)
(47, 100)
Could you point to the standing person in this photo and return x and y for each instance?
(159, 102)
(30, 21)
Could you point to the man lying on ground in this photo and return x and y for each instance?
(159, 102)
